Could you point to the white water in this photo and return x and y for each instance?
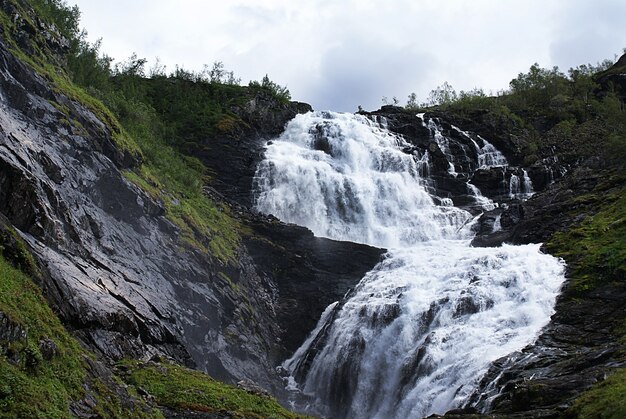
(363, 188)
(488, 155)
(420, 329)
(442, 141)
(522, 189)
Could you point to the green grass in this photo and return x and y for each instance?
(177, 181)
(31, 386)
(181, 388)
(34, 386)
(595, 251)
(605, 400)
(596, 248)
(48, 66)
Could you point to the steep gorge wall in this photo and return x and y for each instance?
(116, 269)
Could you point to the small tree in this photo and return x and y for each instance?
(411, 103)
(158, 69)
(277, 90)
(442, 95)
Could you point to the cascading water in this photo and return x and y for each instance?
(346, 178)
(419, 331)
(523, 188)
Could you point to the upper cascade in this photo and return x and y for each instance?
(348, 178)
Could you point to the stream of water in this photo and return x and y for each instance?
(419, 331)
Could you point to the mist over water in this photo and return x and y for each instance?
(419, 331)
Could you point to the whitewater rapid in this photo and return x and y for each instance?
(420, 330)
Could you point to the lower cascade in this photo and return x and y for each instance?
(420, 330)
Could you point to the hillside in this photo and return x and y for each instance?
(133, 265)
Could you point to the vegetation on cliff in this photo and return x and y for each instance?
(44, 372)
(42, 367)
(152, 119)
(181, 388)
(572, 116)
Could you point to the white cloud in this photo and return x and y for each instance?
(339, 54)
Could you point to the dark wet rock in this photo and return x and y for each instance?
(487, 222)
(466, 305)
(579, 346)
(576, 350)
(505, 136)
(252, 388)
(48, 349)
(491, 182)
(310, 272)
(384, 315)
(233, 158)
(402, 122)
(536, 219)
(10, 331)
(113, 267)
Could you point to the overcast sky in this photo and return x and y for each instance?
(338, 54)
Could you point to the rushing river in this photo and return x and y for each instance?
(419, 331)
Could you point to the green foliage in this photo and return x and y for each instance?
(595, 250)
(57, 12)
(181, 388)
(412, 104)
(218, 74)
(604, 400)
(280, 92)
(548, 112)
(537, 87)
(195, 110)
(177, 181)
(442, 95)
(31, 386)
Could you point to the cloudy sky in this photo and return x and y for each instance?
(338, 54)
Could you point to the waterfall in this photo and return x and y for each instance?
(522, 189)
(514, 186)
(527, 184)
(345, 177)
(419, 331)
(442, 141)
(488, 155)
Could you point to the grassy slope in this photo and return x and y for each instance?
(138, 131)
(31, 385)
(178, 387)
(595, 250)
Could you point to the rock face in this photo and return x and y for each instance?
(232, 159)
(310, 273)
(115, 269)
(580, 345)
(614, 79)
(467, 160)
